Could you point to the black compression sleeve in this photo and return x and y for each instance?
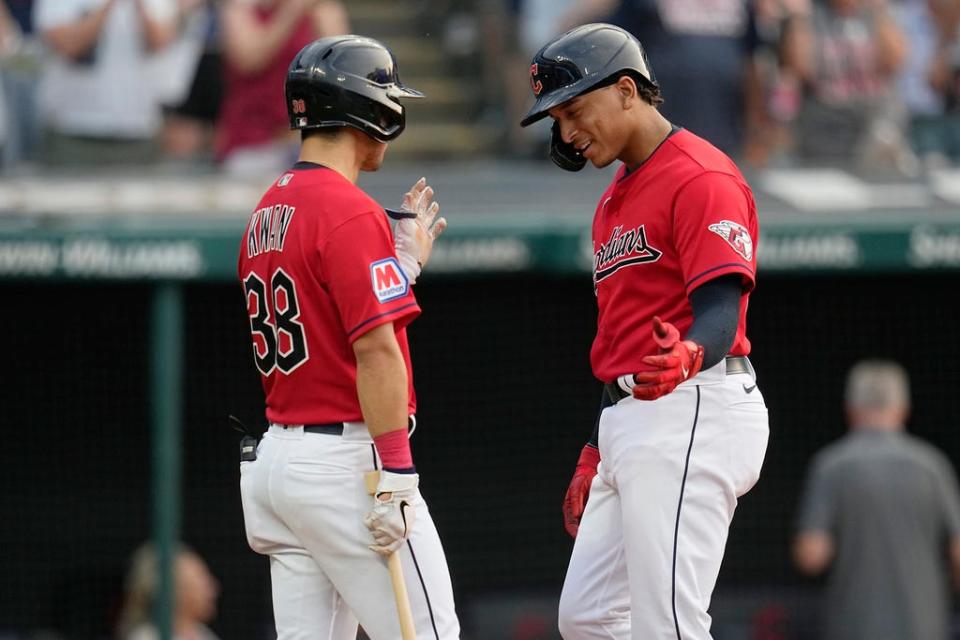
(716, 313)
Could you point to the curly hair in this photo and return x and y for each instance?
(650, 93)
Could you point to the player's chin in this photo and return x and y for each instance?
(373, 162)
(602, 161)
(597, 158)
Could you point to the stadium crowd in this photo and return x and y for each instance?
(868, 84)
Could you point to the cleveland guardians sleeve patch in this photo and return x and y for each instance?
(736, 236)
(388, 279)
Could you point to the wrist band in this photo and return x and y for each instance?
(394, 450)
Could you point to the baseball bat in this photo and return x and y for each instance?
(407, 630)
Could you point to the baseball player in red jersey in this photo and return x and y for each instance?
(683, 429)
(329, 295)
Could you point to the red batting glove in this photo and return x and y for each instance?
(579, 489)
(678, 360)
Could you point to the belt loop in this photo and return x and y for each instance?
(739, 364)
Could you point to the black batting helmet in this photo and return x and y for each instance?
(347, 81)
(581, 60)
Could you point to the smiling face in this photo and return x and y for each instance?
(599, 123)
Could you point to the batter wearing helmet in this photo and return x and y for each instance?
(683, 428)
(329, 294)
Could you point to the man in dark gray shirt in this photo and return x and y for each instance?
(882, 508)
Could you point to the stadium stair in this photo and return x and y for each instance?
(444, 125)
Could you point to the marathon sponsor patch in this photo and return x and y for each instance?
(736, 236)
(388, 279)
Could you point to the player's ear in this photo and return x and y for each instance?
(627, 90)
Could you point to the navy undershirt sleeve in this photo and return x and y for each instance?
(716, 313)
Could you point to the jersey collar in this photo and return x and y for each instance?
(304, 164)
(629, 172)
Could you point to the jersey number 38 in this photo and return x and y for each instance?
(278, 338)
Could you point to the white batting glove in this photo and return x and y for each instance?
(391, 519)
(414, 236)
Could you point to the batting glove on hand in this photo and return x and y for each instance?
(391, 519)
(679, 360)
(579, 490)
(414, 235)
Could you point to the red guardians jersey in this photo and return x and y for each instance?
(319, 270)
(682, 218)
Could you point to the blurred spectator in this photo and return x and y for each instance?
(19, 67)
(922, 100)
(847, 54)
(945, 72)
(196, 597)
(882, 508)
(9, 33)
(260, 38)
(929, 76)
(193, 92)
(97, 94)
(772, 91)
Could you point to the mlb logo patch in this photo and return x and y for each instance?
(285, 180)
(388, 279)
(736, 236)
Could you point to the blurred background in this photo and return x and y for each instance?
(137, 135)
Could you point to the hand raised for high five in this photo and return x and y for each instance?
(416, 231)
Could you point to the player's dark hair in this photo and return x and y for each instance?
(650, 94)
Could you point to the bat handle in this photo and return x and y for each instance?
(407, 630)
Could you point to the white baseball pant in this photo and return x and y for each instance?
(652, 537)
(304, 499)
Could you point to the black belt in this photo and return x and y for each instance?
(335, 428)
(735, 365)
(332, 429)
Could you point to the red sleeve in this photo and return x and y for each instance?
(361, 271)
(715, 230)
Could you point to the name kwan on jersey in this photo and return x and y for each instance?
(268, 229)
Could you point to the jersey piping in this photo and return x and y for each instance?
(392, 312)
(733, 266)
(676, 529)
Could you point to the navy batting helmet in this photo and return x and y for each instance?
(581, 60)
(347, 81)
